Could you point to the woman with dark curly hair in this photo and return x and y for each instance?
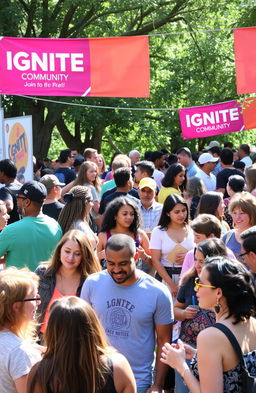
(173, 181)
(122, 216)
(226, 287)
(193, 318)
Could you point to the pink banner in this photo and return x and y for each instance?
(46, 67)
(211, 120)
(99, 67)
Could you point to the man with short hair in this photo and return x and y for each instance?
(91, 155)
(32, 239)
(157, 157)
(134, 155)
(64, 172)
(249, 248)
(150, 209)
(226, 158)
(124, 184)
(52, 207)
(8, 172)
(244, 154)
(185, 158)
(135, 310)
(143, 169)
(120, 161)
(207, 163)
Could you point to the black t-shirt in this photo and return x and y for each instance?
(104, 202)
(9, 192)
(133, 193)
(53, 209)
(223, 176)
(65, 175)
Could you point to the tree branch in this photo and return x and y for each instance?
(171, 17)
(68, 18)
(68, 138)
(56, 9)
(89, 18)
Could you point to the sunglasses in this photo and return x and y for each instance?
(37, 299)
(199, 285)
(243, 254)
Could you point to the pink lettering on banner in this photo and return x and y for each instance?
(45, 66)
(211, 120)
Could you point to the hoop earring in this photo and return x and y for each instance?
(217, 307)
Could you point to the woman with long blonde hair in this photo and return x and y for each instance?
(72, 261)
(78, 358)
(18, 303)
(87, 176)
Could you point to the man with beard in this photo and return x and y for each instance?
(32, 239)
(135, 311)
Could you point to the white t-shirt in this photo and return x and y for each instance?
(209, 180)
(247, 160)
(160, 240)
(158, 177)
(16, 358)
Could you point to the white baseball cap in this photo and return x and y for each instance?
(212, 144)
(207, 157)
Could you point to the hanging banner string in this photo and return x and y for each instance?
(98, 106)
(111, 107)
(191, 31)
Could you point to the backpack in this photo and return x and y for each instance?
(248, 381)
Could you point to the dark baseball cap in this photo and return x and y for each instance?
(33, 190)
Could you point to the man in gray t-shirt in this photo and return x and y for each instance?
(135, 310)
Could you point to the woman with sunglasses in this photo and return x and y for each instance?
(18, 304)
(193, 318)
(78, 358)
(226, 287)
(72, 261)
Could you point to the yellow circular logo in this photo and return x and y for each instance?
(18, 146)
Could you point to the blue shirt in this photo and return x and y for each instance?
(192, 169)
(150, 217)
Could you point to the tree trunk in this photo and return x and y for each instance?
(43, 125)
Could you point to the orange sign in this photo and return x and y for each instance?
(18, 146)
(245, 59)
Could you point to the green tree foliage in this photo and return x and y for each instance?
(189, 69)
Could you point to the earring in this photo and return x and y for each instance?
(217, 307)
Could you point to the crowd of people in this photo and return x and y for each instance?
(137, 277)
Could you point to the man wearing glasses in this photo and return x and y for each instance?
(32, 239)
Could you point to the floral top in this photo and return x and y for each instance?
(190, 328)
(231, 379)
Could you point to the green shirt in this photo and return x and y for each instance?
(29, 241)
